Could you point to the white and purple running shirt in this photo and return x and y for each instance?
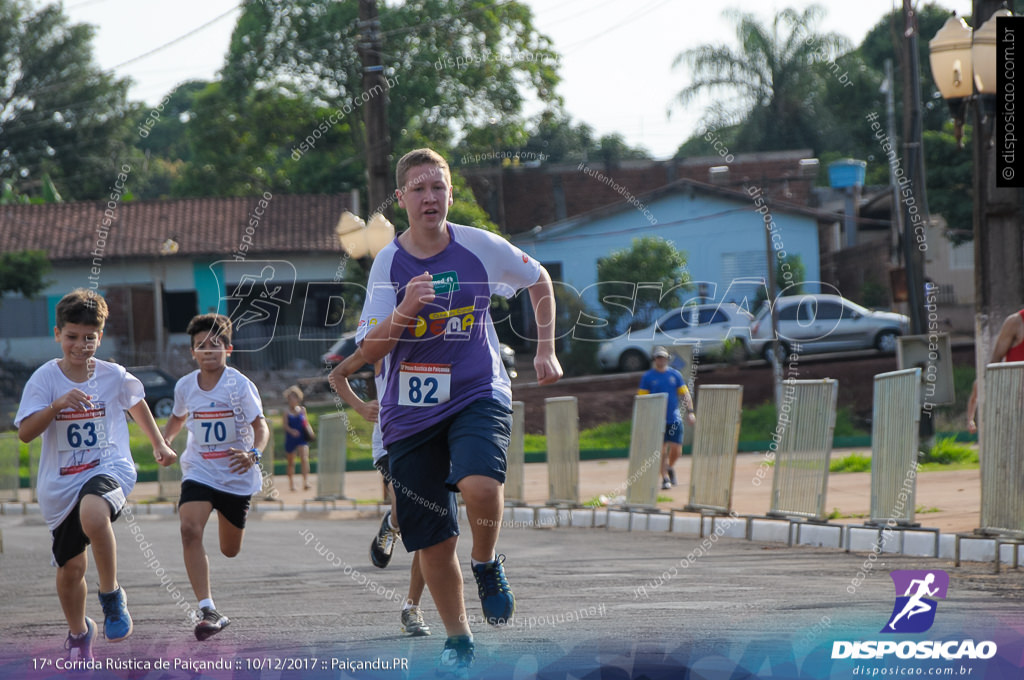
(451, 357)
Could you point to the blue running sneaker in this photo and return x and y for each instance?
(496, 598)
(456, 658)
(117, 622)
(80, 647)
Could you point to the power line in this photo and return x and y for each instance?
(639, 15)
(176, 40)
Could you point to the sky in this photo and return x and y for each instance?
(616, 54)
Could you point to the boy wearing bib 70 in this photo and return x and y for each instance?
(446, 409)
(220, 466)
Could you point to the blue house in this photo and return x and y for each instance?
(722, 231)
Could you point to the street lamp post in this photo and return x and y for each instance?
(964, 67)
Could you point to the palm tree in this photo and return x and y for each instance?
(774, 82)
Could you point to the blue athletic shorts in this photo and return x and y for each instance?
(426, 468)
(674, 432)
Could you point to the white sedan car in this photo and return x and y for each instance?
(708, 326)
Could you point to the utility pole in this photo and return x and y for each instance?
(998, 247)
(915, 206)
(890, 116)
(375, 112)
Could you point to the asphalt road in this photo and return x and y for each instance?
(591, 603)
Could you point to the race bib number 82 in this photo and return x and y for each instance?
(424, 384)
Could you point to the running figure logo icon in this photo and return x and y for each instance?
(914, 610)
(257, 291)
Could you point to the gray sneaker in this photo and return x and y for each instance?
(412, 622)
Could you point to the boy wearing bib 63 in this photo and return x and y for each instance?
(445, 412)
(86, 470)
(220, 466)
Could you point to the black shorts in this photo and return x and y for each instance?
(69, 540)
(384, 467)
(231, 507)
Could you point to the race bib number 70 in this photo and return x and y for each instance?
(213, 428)
(424, 384)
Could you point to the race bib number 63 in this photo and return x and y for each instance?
(77, 430)
(424, 384)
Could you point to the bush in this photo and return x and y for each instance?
(947, 451)
(855, 462)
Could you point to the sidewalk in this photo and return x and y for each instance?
(949, 501)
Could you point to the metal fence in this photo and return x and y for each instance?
(715, 439)
(804, 430)
(331, 455)
(894, 441)
(1002, 443)
(10, 457)
(645, 441)
(515, 468)
(267, 465)
(168, 479)
(282, 347)
(561, 425)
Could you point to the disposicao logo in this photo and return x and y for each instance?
(914, 612)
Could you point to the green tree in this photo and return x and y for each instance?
(23, 272)
(884, 41)
(60, 113)
(555, 138)
(772, 83)
(238, 149)
(165, 134)
(950, 180)
(453, 64)
(637, 284)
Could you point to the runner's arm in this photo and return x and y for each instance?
(162, 452)
(383, 337)
(542, 298)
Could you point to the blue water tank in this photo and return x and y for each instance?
(847, 172)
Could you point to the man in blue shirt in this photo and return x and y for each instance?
(665, 380)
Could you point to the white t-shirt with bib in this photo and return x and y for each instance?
(218, 420)
(79, 445)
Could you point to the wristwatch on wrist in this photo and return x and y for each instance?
(256, 455)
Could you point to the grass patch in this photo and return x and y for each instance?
(855, 462)
(947, 451)
(759, 422)
(949, 454)
(835, 514)
(605, 436)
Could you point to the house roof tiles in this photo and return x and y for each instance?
(200, 226)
